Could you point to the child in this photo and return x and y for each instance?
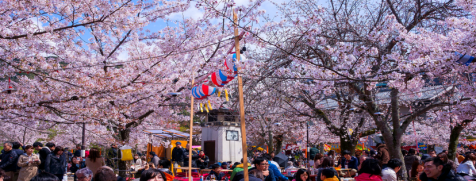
(216, 170)
(328, 175)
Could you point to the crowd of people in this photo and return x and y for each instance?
(374, 165)
(52, 162)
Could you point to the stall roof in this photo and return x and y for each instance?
(167, 133)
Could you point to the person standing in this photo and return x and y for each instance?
(178, 155)
(94, 161)
(382, 154)
(8, 163)
(29, 163)
(370, 171)
(327, 163)
(44, 152)
(112, 156)
(56, 163)
(194, 156)
(77, 153)
(16, 148)
(390, 173)
(409, 159)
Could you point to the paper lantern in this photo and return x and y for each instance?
(215, 78)
(206, 90)
(126, 153)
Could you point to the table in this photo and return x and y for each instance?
(186, 179)
(347, 170)
(186, 168)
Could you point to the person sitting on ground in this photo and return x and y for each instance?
(390, 173)
(302, 175)
(104, 174)
(261, 165)
(275, 167)
(234, 165)
(239, 168)
(164, 166)
(460, 157)
(318, 160)
(84, 174)
(202, 161)
(466, 168)
(224, 165)
(254, 175)
(370, 171)
(362, 159)
(216, 172)
(155, 159)
(76, 165)
(434, 171)
(328, 175)
(327, 163)
(349, 162)
(153, 175)
(45, 176)
(137, 162)
(142, 170)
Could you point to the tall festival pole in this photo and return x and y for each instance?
(190, 139)
(242, 102)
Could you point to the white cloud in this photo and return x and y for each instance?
(191, 12)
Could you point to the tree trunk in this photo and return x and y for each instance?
(279, 144)
(270, 142)
(124, 137)
(394, 146)
(348, 144)
(454, 140)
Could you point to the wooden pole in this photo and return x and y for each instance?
(242, 102)
(190, 139)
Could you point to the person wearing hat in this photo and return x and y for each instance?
(178, 155)
(155, 159)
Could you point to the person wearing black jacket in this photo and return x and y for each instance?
(44, 152)
(112, 156)
(56, 163)
(216, 171)
(202, 161)
(9, 158)
(16, 148)
(194, 157)
(77, 153)
(178, 155)
(436, 170)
